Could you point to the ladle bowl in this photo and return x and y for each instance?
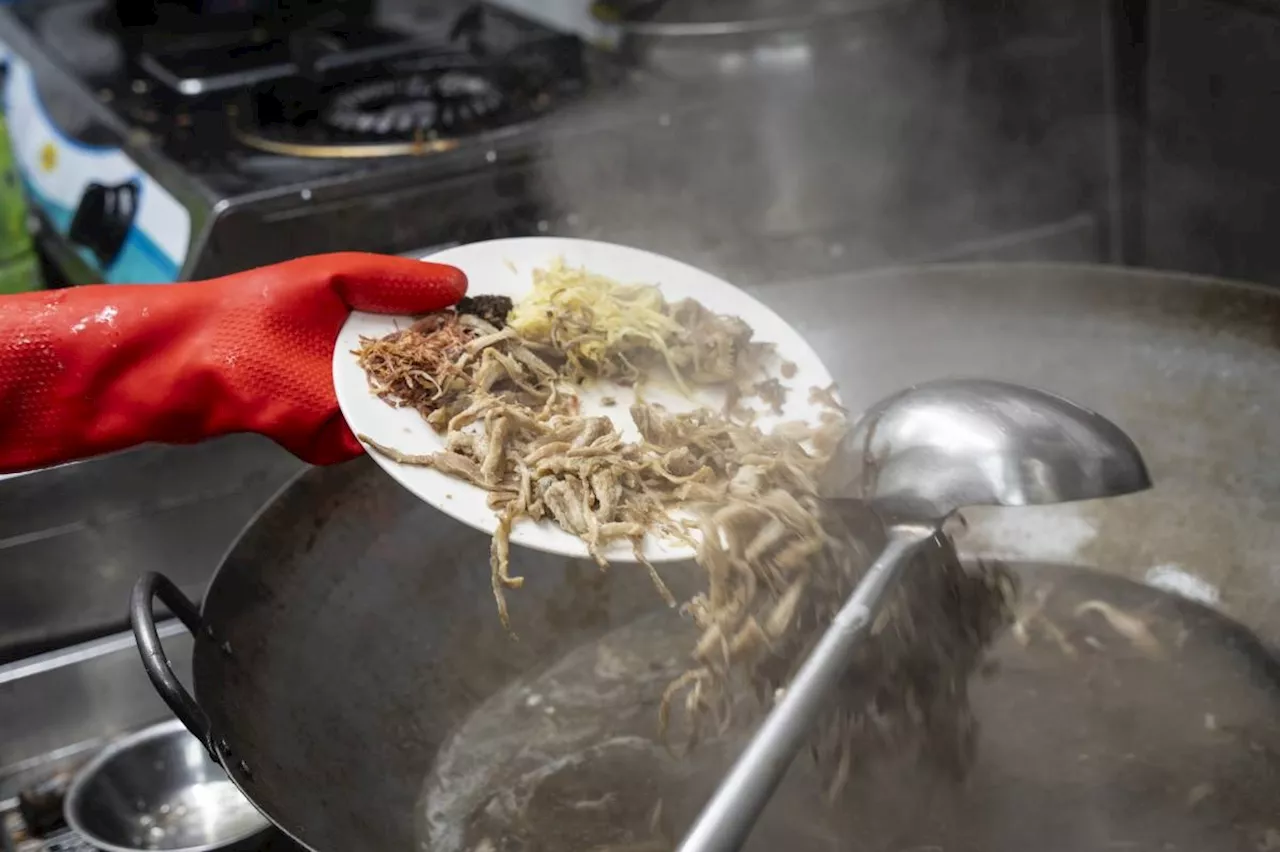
(936, 447)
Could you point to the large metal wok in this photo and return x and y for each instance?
(351, 632)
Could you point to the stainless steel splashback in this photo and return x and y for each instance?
(56, 709)
(74, 539)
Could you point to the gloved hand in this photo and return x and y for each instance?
(89, 370)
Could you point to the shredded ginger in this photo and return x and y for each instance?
(608, 330)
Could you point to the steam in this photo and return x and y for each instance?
(863, 144)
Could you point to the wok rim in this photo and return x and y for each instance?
(1133, 275)
(231, 768)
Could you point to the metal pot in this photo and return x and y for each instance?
(691, 40)
(350, 669)
(159, 789)
(804, 103)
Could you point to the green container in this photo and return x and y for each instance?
(19, 269)
(20, 274)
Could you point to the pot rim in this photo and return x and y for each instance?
(605, 13)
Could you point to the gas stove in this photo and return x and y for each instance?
(414, 107)
(163, 151)
(154, 154)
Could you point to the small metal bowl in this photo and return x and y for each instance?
(159, 789)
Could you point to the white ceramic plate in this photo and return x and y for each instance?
(505, 267)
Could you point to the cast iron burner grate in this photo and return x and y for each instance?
(415, 108)
(453, 102)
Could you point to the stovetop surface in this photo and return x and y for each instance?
(243, 113)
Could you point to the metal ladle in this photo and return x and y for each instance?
(917, 457)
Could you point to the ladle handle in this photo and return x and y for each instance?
(727, 820)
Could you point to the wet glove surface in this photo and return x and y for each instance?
(90, 370)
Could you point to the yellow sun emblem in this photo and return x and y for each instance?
(48, 157)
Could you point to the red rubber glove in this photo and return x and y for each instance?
(90, 370)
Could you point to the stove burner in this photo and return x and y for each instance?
(412, 110)
(451, 102)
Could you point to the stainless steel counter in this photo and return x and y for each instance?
(73, 539)
(56, 709)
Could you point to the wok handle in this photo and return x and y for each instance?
(142, 618)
